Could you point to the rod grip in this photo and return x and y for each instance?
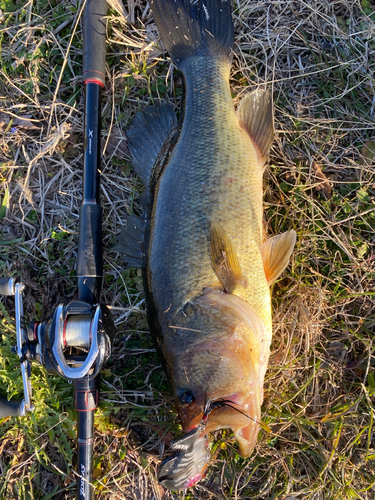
(90, 255)
(10, 408)
(94, 36)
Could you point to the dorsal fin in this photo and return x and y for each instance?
(255, 115)
(276, 252)
(224, 258)
(150, 137)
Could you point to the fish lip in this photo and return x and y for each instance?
(206, 410)
(188, 465)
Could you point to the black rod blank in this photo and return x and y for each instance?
(90, 252)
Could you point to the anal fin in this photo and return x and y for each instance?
(276, 252)
(130, 242)
(255, 115)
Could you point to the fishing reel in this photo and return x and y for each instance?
(74, 343)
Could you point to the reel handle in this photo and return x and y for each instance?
(8, 286)
(14, 408)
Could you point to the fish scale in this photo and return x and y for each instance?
(213, 175)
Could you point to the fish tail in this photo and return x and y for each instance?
(193, 28)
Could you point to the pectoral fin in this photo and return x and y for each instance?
(255, 115)
(276, 252)
(224, 259)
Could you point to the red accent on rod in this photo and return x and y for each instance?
(93, 80)
(86, 397)
(93, 71)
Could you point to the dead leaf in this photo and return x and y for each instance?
(322, 182)
(368, 151)
(337, 351)
(8, 227)
(119, 7)
(116, 144)
(97, 472)
(3, 123)
(69, 479)
(26, 123)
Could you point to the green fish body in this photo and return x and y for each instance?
(208, 268)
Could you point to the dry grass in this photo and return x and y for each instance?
(319, 57)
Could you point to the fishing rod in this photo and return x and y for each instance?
(76, 340)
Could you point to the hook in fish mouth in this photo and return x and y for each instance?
(189, 463)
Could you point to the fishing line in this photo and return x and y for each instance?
(209, 407)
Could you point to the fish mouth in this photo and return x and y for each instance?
(189, 463)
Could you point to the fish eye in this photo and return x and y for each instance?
(185, 397)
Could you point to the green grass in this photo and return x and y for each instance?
(317, 441)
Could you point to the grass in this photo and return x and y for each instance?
(319, 393)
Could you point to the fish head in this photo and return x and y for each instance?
(218, 362)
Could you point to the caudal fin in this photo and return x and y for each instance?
(191, 28)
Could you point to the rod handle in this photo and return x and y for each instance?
(94, 37)
(90, 253)
(86, 399)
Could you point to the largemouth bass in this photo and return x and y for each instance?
(208, 267)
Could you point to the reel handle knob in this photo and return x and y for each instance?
(14, 408)
(8, 286)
